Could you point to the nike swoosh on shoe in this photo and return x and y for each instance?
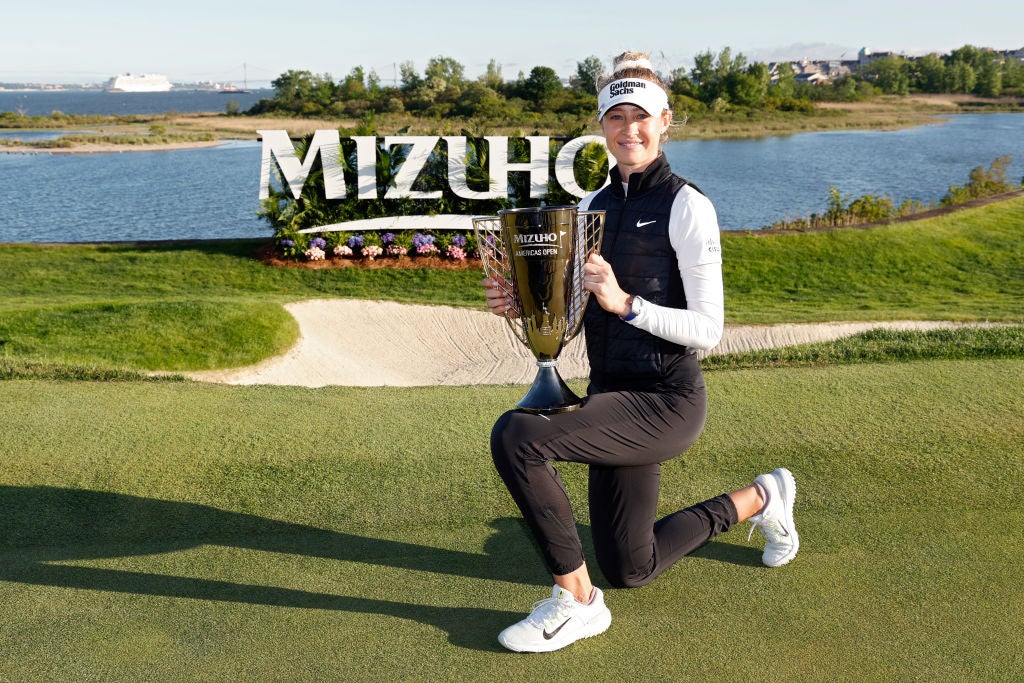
(552, 634)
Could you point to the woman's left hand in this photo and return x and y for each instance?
(599, 278)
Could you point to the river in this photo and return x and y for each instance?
(213, 192)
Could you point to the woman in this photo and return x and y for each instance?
(657, 298)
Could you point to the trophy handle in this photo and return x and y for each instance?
(498, 267)
(589, 231)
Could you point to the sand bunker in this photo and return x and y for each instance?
(381, 343)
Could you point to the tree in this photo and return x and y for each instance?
(541, 84)
(962, 67)
(587, 73)
(478, 99)
(785, 85)
(429, 91)
(960, 77)
(492, 77)
(410, 79)
(353, 85)
(891, 75)
(1013, 76)
(303, 90)
(702, 75)
(709, 73)
(990, 77)
(748, 88)
(968, 54)
(446, 69)
(680, 83)
(373, 82)
(928, 74)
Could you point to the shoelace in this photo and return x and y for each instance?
(769, 528)
(548, 611)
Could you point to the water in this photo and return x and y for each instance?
(213, 193)
(754, 183)
(36, 135)
(43, 102)
(190, 194)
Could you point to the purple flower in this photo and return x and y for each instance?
(458, 241)
(356, 241)
(288, 244)
(387, 237)
(318, 242)
(420, 240)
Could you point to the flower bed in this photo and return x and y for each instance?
(451, 250)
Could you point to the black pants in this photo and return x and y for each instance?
(624, 437)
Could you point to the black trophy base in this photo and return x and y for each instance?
(548, 394)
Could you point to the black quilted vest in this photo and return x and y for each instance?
(636, 244)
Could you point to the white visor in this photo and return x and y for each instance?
(648, 96)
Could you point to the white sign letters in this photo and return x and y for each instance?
(277, 146)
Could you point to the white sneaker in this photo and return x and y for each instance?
(775, 521)
(556, 622)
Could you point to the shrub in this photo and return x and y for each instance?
(981, 183)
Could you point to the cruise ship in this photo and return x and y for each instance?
(138, 83)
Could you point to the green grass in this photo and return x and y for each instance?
(156, 335)
(966, 265)
(202, 305)
(179, 306)
(884, 346)
(182, 531)
(174, 530)
(219, 270)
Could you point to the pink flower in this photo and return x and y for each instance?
(342, 250)
(372, 251)
(315, 254)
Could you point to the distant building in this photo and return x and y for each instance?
(814, 72)
(1014, 54)
(866, 56)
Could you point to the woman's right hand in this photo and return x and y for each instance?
(498, 301)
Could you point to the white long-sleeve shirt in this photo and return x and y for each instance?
(694, 235)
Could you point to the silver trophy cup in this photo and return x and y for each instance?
(536, 256)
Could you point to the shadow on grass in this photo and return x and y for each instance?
(43, 525)
(729, 553)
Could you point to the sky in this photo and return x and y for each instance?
(69, 41)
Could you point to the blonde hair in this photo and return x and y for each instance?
(631, 64)
(635, 64)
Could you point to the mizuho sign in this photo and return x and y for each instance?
(277, 146)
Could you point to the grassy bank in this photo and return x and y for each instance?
(202, 305)
(965, 265)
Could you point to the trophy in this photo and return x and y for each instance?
(536, 256)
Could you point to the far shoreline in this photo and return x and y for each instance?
(112, 148)
(879, 113)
